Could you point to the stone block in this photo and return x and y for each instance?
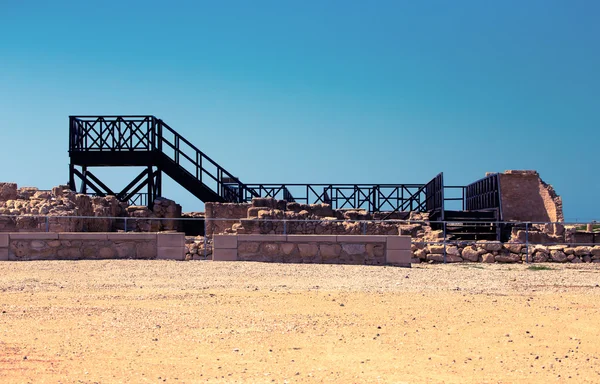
(83, 236)
(269, 249)
(308, 250)
(148, 249)
(224, 254)
(354, 249)
(398, 242)
(288, 248)
(329, 251)
(3, 240)
(171, 253)
(69, 253)
(262, 237)
(248, 248)
(176, 239)
(125, 250)
(362, 239)
(399, 257)
(375, 250)
(34, 236)
(225, 241)
(126, 236)
(311, 238)
(105, 253)
(3, 254)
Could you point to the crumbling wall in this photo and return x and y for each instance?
(232, 211)
(68, 211)
(497, 252)
(525, 197)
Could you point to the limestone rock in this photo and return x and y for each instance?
(330, 250)
(583, 251)
(436, 249)
(491, 246)
(513, 247)
(421, 254)
(435, 257)
(508, 258)
(540, 257)
(470, 253)
(453, 250)
(488, 258)
(558, 256)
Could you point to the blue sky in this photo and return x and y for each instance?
(315, 91)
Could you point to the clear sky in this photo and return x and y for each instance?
(315, 91)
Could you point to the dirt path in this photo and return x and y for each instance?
(158, 321)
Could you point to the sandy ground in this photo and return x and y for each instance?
(164, 321)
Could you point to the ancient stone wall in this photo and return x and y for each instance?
(221, 211)
(321, 249)
(495, 251)
(68, 211)
(525, 197)
(85, 246)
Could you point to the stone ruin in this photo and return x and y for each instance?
(67, 211)
(524, 197)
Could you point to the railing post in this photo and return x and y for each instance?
(125, 226)
(205, 234)
(527, 242)
(444, 242)
(364, 227)
(284, 227)
(47, 225)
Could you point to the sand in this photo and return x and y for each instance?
(187, 322)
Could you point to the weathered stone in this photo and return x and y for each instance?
(288, 248)
(595, 251)
(125, 250)
(453, 259)
(374, 250)
(513, 247)
(248, 247)
(576, 260)
(569, 250)
(409, 229)
(583, 251)
(435, 257)
(508, 258)
(436, 249)
(354, 249)
(8, 191)
(487, 258)
(452, 250)
(106, 253)
(308, 250)
(69, 253)
(270, 249)
(421, 254)
(470, 254)
(558, 256)
(38, 244)
(145, 250)
(540, 257)
(89, 252)
(54, 243)
(491, 246)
